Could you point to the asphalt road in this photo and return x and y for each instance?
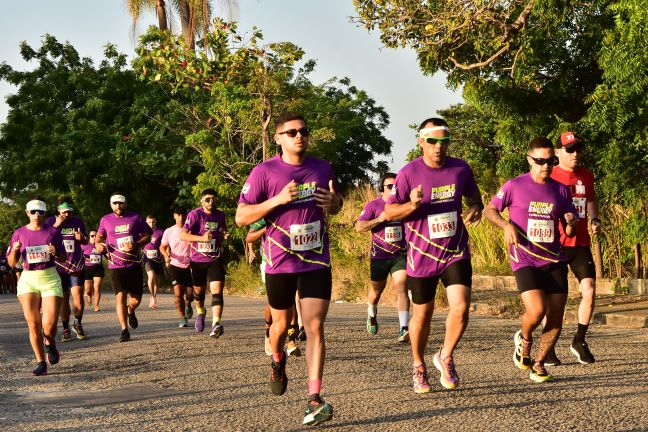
(171, 379)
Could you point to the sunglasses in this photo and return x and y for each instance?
(389, 186)
(118, 203)
(553, 160)
(442, 140)
(92, 235)
(36, 212)
(292, 133)
(574, 149)
(209, 199)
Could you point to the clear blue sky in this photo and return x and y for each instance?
(322, 28)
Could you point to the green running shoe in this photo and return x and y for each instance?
(372, 325)
(317, 411)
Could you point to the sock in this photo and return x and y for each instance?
(66, 324)
(201, 311)
(580, 333)
(403, 318)
(277, 357)
(78, 319)
(299, 321)
(215, 320)
(372, 310)
(267, 331)
(314, 386)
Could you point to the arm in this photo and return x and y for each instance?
(254, 235)
(367, 225)
(593, 212)
(165, 250)
(192, 238)
(14, 254)
(475, 205)
(493, 216)
(247, 214)
(571, 224)
(399, 211)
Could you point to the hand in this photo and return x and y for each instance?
(251, 256)
(596, 227)
(416, 196)
(327, 199)
(167, 263)
(288, 193)
(382, 217)
(100, 247)
(207, 236)
(128, 247)
(571, 220)
(59, 220)
(510, 234)
(77, 234)
(51, 249)
(472, 215)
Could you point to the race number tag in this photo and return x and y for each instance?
(69, 245)
(442, 225)
(152, 254)
(95, 259)
(37, 254)
(305, 236)
(122, 242)
(581, 206)
(207, 247)
(540, 231)
(393, 234)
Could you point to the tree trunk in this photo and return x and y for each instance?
(598, 258)
(186, 18)
(160, 8)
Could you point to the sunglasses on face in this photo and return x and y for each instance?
(92, 235)
(574, 149)
(208, 199)
(389, 186)
(292, 133)
(36, 212)
(118, 203)
(442, 140)
(553, 160)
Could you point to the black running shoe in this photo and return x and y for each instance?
(278, 379)
(132, 320)
(582, 352)
(52, 354)
(552, 359)
(125, 336)
(41, 369)
(302, 334)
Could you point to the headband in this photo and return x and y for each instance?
(117, 198)
(426, 131)
(36, 205)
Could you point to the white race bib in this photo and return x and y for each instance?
(123, 241)
(393, 234)
(540, 231)
(581, 206)
(442, 225)
(151, 254)
(37, 254)
(69, 245)
(95, 259)
(305, 236)
(207, 247)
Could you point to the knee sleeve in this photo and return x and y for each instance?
(217, 299)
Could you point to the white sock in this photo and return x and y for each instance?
(403, 318)
(372, 310)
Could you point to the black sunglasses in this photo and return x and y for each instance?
(574, 149)
(442, 140)
(37, 212)
(292, 133)
(553, 160)
(389, 186)
(209, 199)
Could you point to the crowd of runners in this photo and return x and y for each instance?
(418, 236)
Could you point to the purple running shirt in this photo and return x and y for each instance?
(387, 238)
(34, 249)
(535, 210)
(74, 261)
(91, 256)
(119, 230)
(435, 233)
(198, 223)
(296, 238)
(151, 250)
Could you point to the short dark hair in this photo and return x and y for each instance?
(540, 142)
(178, 209)
(387, 175)
(286, 117)
(208, 191)
(150, 217)
(436, 121)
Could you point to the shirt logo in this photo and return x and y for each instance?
(67, 231)
(306, 190)
(211, 225)
(443, 192)
(120, 229)
(539, 207)
(580, 188)
(246, 188)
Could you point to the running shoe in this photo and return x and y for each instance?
(132, 320)
(188, 311)
(78, 329)
(278, 378)
(581, 351)
(372, 325)
(97, 309)
(52, 354)
(420, 378)
(125, 336)
(317, 411)
(302, 334)
(552, 359)
(292, 349)
(522, 353)
(539, 374)
(200, 323)
(217, 330)
(67, 335)
(183, 322)
(41, 369)
(266, 345)
(403, 335)
(449, 378)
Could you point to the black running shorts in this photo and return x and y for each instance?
(424, 289)
(180, 276)
(380, 269)
(156, 266)
(281, 288)
(128, 280)
(552, 278)
(581, 262)
(91, 272)
(202, 272)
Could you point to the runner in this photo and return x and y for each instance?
(427, 197)
(569, 149)
(536, 205)
(39, 288)
(153, 260)
(74, 235)
(295, 193)
(121, 235)
(94, 272)
(5, 273)
(387, 257)
(176, 257)
(205, 229)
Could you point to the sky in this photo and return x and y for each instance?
(321, 27)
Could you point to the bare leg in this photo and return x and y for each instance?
(534, 311)
(314, 312)
(555, 311)
(457, 320)
(419, 329)
(586, 307)
(97, 292)
(31, 310)
(179, 294)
